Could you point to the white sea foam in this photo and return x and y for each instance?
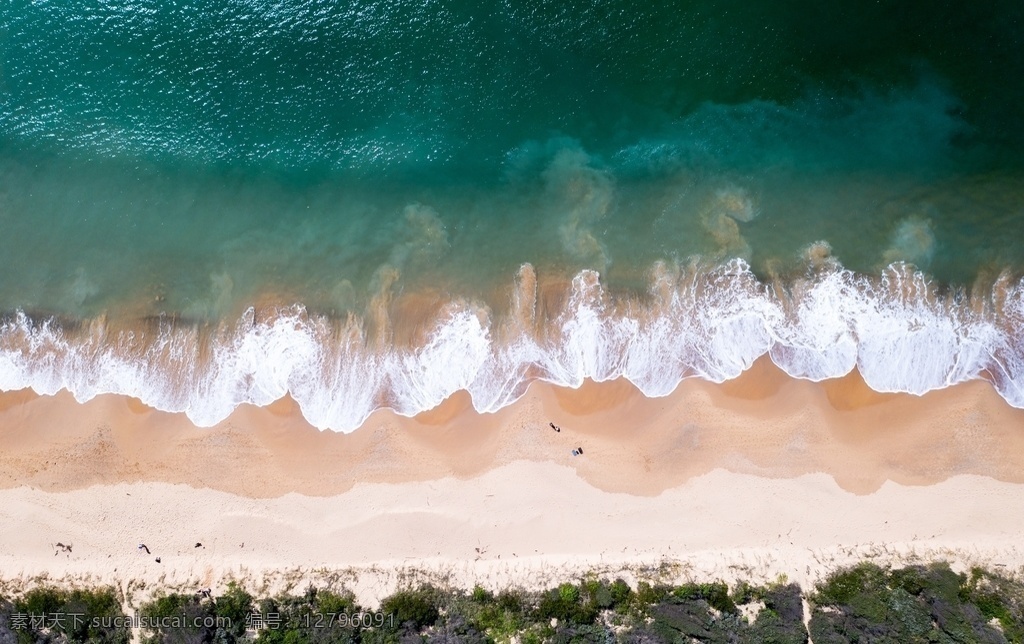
(814, 336)
(896, 328)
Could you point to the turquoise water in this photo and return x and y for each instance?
(377, 204)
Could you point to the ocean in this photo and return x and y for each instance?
(378, 204)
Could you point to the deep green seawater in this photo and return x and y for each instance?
(166, 165)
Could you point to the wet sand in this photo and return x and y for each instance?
(762, 423)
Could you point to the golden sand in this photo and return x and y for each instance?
(712, 476)
(762, 423)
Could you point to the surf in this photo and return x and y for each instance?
(899, 329)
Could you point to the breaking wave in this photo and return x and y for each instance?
(900, 330)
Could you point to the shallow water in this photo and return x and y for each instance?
(381, 183)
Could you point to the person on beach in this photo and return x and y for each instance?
(555, 427)
(142, 546)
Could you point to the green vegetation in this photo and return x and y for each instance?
(181, 619)
(916, 604)
(49, 614)
(413, 609)
(864, 603)
(309, 618)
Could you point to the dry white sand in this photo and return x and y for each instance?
(522, 524)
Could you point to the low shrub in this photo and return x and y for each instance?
(49, 614)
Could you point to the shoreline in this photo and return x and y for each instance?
(411, 351)
(754, 478)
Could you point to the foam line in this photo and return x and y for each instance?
(896, 328)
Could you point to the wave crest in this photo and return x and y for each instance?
(899, 329)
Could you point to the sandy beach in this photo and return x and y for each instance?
(755, 478)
